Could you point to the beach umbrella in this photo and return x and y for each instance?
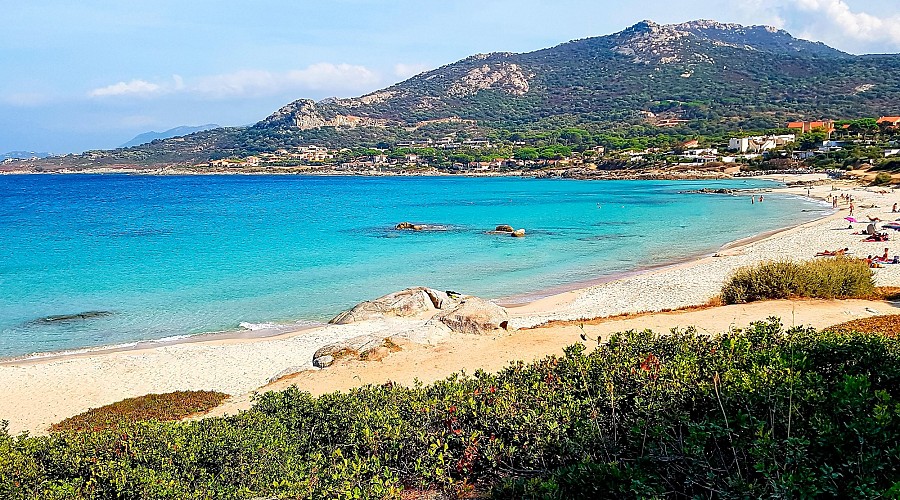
(851, 219)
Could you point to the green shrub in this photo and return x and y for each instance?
(882, 179)
(838, 278)
(753, 413)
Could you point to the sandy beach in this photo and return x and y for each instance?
(42, 391)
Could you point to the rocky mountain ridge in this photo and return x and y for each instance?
(443, 91)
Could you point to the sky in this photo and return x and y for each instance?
(93, 74)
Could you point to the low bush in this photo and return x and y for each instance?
(752, 413)
(162, 407)
(883, 178)
(838, 278)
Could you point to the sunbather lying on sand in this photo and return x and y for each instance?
(829, 253)
(877, 237)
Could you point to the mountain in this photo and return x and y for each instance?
(714, 75)
(172, 132)
(649, 80)
(22, 155)
(727, 69)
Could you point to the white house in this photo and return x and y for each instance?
(758, 144)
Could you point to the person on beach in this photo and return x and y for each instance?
(894, 209)
(871, 262)
(829, 253)
(760, 198)
(851, 208)
(884, 257)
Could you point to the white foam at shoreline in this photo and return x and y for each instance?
(253, 327)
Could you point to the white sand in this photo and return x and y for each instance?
(40, 392)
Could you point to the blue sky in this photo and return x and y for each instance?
(93, 74)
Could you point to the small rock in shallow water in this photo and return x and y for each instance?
(73, 317)
(409, 225)
(518, 233)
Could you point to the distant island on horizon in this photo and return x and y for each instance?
(148, 137)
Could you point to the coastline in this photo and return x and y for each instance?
(45, 390)
(514, 302)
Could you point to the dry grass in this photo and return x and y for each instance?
(887, 293)
(713, 302)
(888, 326)
(163, 407)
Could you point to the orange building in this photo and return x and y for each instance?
(893, 121)
(827, 125)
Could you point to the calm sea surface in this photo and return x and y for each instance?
(170, 256)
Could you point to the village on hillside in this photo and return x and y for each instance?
(800, 145)
(865, 145)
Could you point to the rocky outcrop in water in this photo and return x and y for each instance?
(409, 226)
(708, 191)
(61, 318)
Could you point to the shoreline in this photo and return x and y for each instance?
(45, 390)
(514, 302)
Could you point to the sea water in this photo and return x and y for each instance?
(174, 256)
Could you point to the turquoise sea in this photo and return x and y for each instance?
(172, 256)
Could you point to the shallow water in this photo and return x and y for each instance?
(172, 256)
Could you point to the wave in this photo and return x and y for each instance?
(253, 327)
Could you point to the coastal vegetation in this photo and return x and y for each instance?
(839, 278)
(756, 412)
(162, 407)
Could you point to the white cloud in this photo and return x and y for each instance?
(334, 78)
(134, 87)
(857, 25)
(839, 23)
(405, 71)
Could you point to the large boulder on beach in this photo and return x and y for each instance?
(359, 347)
(405, 303)
(475, 316)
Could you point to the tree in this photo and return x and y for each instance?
(526, 154)
(812, 139)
